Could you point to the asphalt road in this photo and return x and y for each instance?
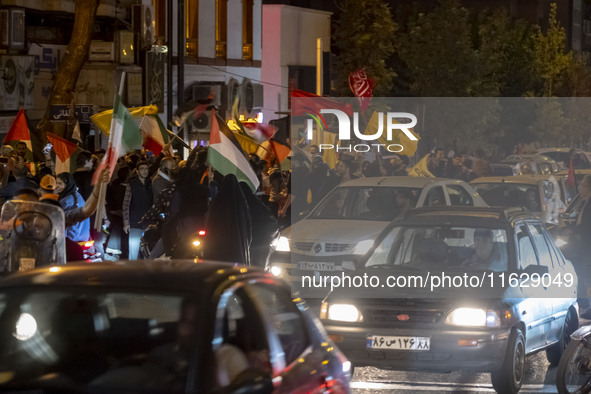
(540, 378)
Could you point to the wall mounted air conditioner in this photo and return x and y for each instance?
(144, 23)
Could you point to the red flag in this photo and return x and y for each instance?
(280, 150)
(362, 87)
(62, 147)
(19, 130)
(570, 179)
(302, 107)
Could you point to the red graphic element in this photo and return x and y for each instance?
(362, 87)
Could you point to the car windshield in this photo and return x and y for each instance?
(442, 248)
(113, 340)
(510, 195)
(557, 156)
(363, 203)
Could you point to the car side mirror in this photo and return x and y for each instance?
(536, 269)
(250, 381)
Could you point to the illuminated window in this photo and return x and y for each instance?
(247, 7)
(192, 27)
(221, 28)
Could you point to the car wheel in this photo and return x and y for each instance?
(554, 352)
(509, 378)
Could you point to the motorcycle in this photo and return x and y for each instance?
(574, 369)
(32, 234)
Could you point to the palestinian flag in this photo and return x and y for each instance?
(226, 155)
(154, 133)
(62, 147)
(19, 130)
(123, 137)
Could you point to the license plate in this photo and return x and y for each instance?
(26, 264)
(315, 266)
(398, 343)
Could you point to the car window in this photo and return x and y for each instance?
(556, 252)
(382, 251)
(435, 197)
(443, 247)
(545, 168)
(241, 343)
(362, 203)
(86, 337)
(527, 255)
(459, 196)
(287, 321)
(544, 256)
(510, 195)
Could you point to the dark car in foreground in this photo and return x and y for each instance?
(504, 300)
(161, 327)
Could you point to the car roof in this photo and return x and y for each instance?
(577, 171)
(525, 179)
(540, 150)
(401, 181)
(527, 157)
(494, 217)
(178, 275)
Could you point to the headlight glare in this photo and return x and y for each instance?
(473, 317)
(343, 312)
(281, 244)
(275, 270)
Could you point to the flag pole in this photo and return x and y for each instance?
(100, 211)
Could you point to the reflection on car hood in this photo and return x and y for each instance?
(342, 231)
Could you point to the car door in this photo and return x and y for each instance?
(533, 310)
(240, 343)
(546, 259)
(309, 367)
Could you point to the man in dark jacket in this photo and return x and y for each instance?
(138, 199)
(22, 182)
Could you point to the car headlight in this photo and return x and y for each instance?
(473, 317)
(275, 270)
(340, 312)
(363, 247)
(281, 244)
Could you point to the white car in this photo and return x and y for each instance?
(343, 226)
(560, 155)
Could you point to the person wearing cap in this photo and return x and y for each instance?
(47, 188)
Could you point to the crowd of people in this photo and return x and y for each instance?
(156, 204)
(171, 197)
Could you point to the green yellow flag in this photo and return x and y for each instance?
(398, 137)
(421, 169)
(103, 119)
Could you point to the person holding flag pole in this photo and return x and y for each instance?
(123, 136)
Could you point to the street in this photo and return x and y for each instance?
(539, 378)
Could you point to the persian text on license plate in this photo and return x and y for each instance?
(398, 343)
(315, 266)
